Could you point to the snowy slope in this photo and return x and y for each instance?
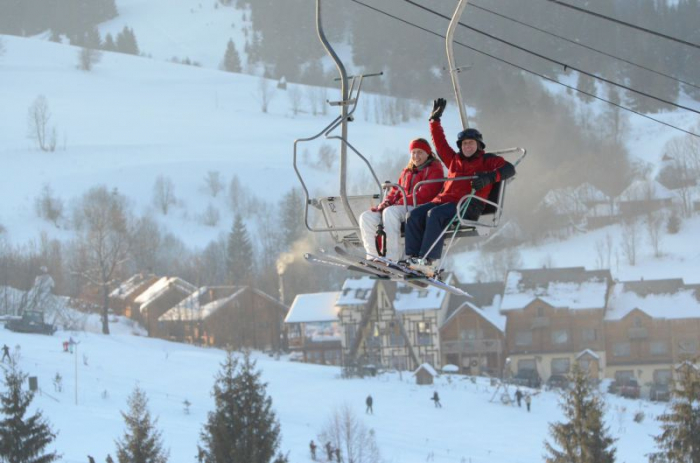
(469, 428)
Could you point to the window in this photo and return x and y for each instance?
(540, 311)
(624, 376)
(523, 338)
(361, 293)
(560, 366)
(349, 335)
(427, 358)
(470, 334)
(662, 376)
(584, 364)
(395, 336)
(687, 346)
(423, 333)
(423, 293)
(589, 334)
(658, 348)
(399, 362)
(527, 365)
(637, 321)
(622, 349)
(560, 336)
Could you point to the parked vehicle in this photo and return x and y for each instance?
(32, 321)
(629, 389)
(557, 382)
(528, 378)
(660, 392)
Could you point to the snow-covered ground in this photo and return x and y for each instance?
(469, 427)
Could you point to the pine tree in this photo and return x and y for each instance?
(93, 39)
(126, 42)
(679, 442)
(232, 61)
(239, 261)
(584, 438)
(243, 427)
(22, 438)
(109, 44)
(292, 216)
(141, 442)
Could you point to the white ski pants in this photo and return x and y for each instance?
(392, 217)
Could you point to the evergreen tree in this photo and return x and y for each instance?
(583, 438)
(243, 427)
(93, 39)
(22, 438)
(679, 442)
(239, 260)
(232, 61)
(292, 216)
(141, 442)
(126, 42)
(109, 44)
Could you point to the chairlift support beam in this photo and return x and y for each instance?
(454, 70)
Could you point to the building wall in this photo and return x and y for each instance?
(543, 362)
(643, 337)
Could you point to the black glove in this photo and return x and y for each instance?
(483, 180)
(438, 108)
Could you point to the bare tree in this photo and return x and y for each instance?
(604, 248)
(237, 195)
(295, 97)
(345, 431)
(87, 58)
(493, 266)
(655, 222)
(102, 246)
(312, 100)
(48, 206)
(213, 183)
(265, 93)
(630, 240)
(326, 155)
(38, 124)
(683, 171)
(211, 216)
(164, 193)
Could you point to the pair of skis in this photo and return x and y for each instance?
(384, 269)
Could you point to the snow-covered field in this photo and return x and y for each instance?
(469, 427)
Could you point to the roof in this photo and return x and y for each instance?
(128, 287)
(643, 190)
(316, 307)
(570, 288)
(587, 352)
(202, 303)
(356, 291)
(427, 367)
(158, 288)
(409, 298)
(590, 194)
(657, 298)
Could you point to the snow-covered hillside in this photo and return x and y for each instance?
(409, 429)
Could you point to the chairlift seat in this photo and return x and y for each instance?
(336, 217)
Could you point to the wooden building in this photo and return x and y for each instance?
(233, 316)
(122, 300)
(473, 334)
(313, 328)
(553, 315)
(650, 326)
(158, 298)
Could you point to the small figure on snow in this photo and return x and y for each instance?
(528, 400)
(519, 396)
(329, 451)
(424, 224)
(436, 399)
(312, 448)
(90, 459)
(391, 212)
(337, 455)
(369, 402)
(5, 352)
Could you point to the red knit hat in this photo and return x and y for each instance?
(420, 144)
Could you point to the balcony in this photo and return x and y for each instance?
(637, 333)
(480, 346)
(540, 322)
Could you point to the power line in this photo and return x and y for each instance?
(563, 65)
(575, 42)
(542, 76)
(633, 26)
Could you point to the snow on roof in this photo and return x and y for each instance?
(666, 304)
(489, 313)
(562, 201)
(427, 367)
(199, 306)
(590, 194)
(159, 287)
(316, 307)
(356, 291)
(449, 368)
(589, 352)
(127, 287)
(642, 190)
(571, 288)
(409, 298)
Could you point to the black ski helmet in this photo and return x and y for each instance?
(470, 134)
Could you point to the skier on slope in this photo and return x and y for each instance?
(425, 223)
(391, 212)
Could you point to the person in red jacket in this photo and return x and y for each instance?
(424, 224)
(392, 211)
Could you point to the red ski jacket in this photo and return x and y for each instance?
(459, 165)
(409, 178)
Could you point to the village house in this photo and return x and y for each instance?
(554, 318)
(473, 334)
(644, 196)
(122, 300)
(232, 316)
(650, 326)
(391, 325)
(313, 328)
(158, 298)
